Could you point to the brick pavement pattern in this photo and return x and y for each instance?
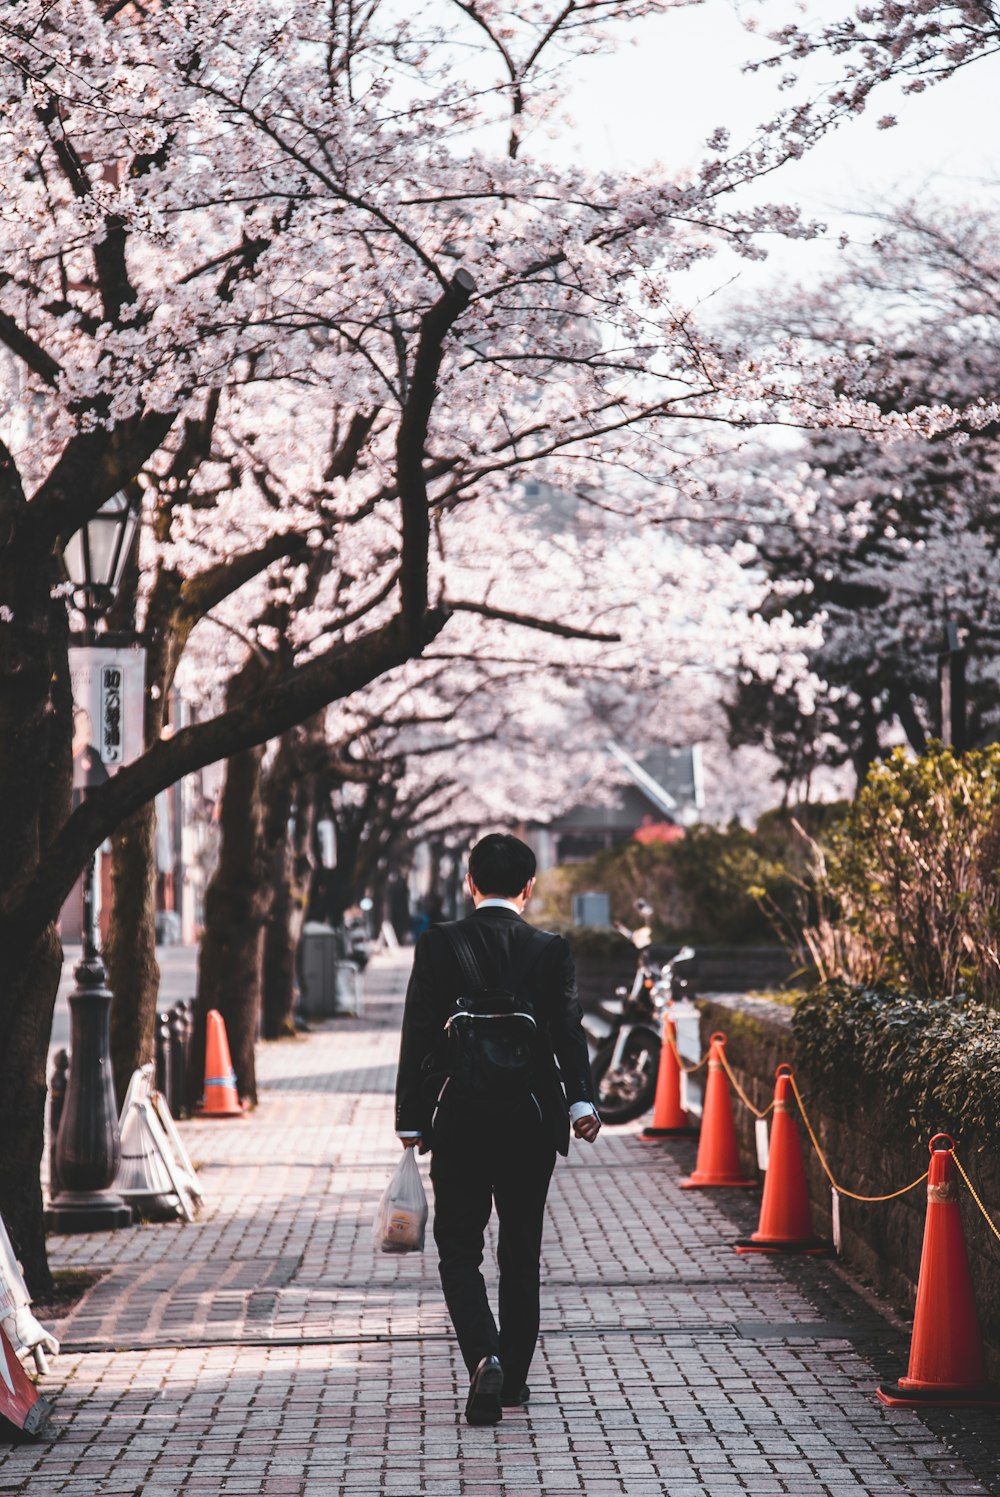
(268, 1348)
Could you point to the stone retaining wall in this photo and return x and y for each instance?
(871, 1151)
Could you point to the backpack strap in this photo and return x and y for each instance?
(469, 962)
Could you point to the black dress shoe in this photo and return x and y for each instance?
(483, 1404)
(515, 1400)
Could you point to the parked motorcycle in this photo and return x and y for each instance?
(625, 1034)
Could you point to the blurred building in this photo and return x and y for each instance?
(659, 792)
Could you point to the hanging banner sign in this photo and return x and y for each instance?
(108, 694)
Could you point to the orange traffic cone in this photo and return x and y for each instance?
(718, 1161)
(785, 1220)
(219, 1099)
(946, 1350)
(669, 1118)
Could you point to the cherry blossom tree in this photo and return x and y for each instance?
(494, 729)
(308, 283)
(882, 538)
(916, 42)
(496, 724)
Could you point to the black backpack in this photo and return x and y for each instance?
(492, 1032)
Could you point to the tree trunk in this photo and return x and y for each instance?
(236, 902)
(130, 950)
(23, 1082)
(36, 716)
(281, 941)
(866, 748)
(291, 861)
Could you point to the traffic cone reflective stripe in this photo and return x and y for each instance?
(220, 1098)
(785, 1224)
(669, 1117)
(718, 1161)
(946, 1350)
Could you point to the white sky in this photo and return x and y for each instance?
(659, 100)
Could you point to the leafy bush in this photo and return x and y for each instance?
(599, 943)
(703, 888)
(938, 1058)
(720, 870)
(914, 872)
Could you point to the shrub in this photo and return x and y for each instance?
(599, 943)
(705, 888)
(937, 1058)
(914, 872)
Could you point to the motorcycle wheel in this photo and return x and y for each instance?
(629, 1090)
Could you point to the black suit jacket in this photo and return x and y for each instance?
(498, 937)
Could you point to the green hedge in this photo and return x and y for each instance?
(938, 1059)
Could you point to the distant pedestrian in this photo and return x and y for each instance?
(420, 921)
(89, 769)
(493, 1142)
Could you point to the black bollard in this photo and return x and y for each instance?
(178, 1060)
(88, 1146)
(189, 1022)
(57, 1096)
(164, 1067)
(188, 1029)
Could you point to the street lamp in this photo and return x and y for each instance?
(96, 555)
(88, 1144)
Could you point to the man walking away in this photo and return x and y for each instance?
(491, 1006)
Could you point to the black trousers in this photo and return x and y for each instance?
(486, 1156)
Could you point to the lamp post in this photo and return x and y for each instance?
(88, 1145)
(951, 688)
(95, 557)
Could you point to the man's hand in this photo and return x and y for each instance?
(587, 1127)
(413, 1143)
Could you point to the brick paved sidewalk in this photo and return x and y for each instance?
(268, 1348)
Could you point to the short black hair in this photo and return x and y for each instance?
(501, 864)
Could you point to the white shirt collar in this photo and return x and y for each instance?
(498, 904)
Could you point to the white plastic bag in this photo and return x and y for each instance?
(402, 1212)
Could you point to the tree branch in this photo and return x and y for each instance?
(200, 594)
(268, 712)
(28, 351)
(527, 621)
(116, 290)
(92, 466)
(345, 454)
(411, 443)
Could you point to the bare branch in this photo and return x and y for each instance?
(528, 621)
(30, 352)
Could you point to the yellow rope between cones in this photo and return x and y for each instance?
(688, 1070)
(972, 1191)
(739, 1090)
(851, 1195)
